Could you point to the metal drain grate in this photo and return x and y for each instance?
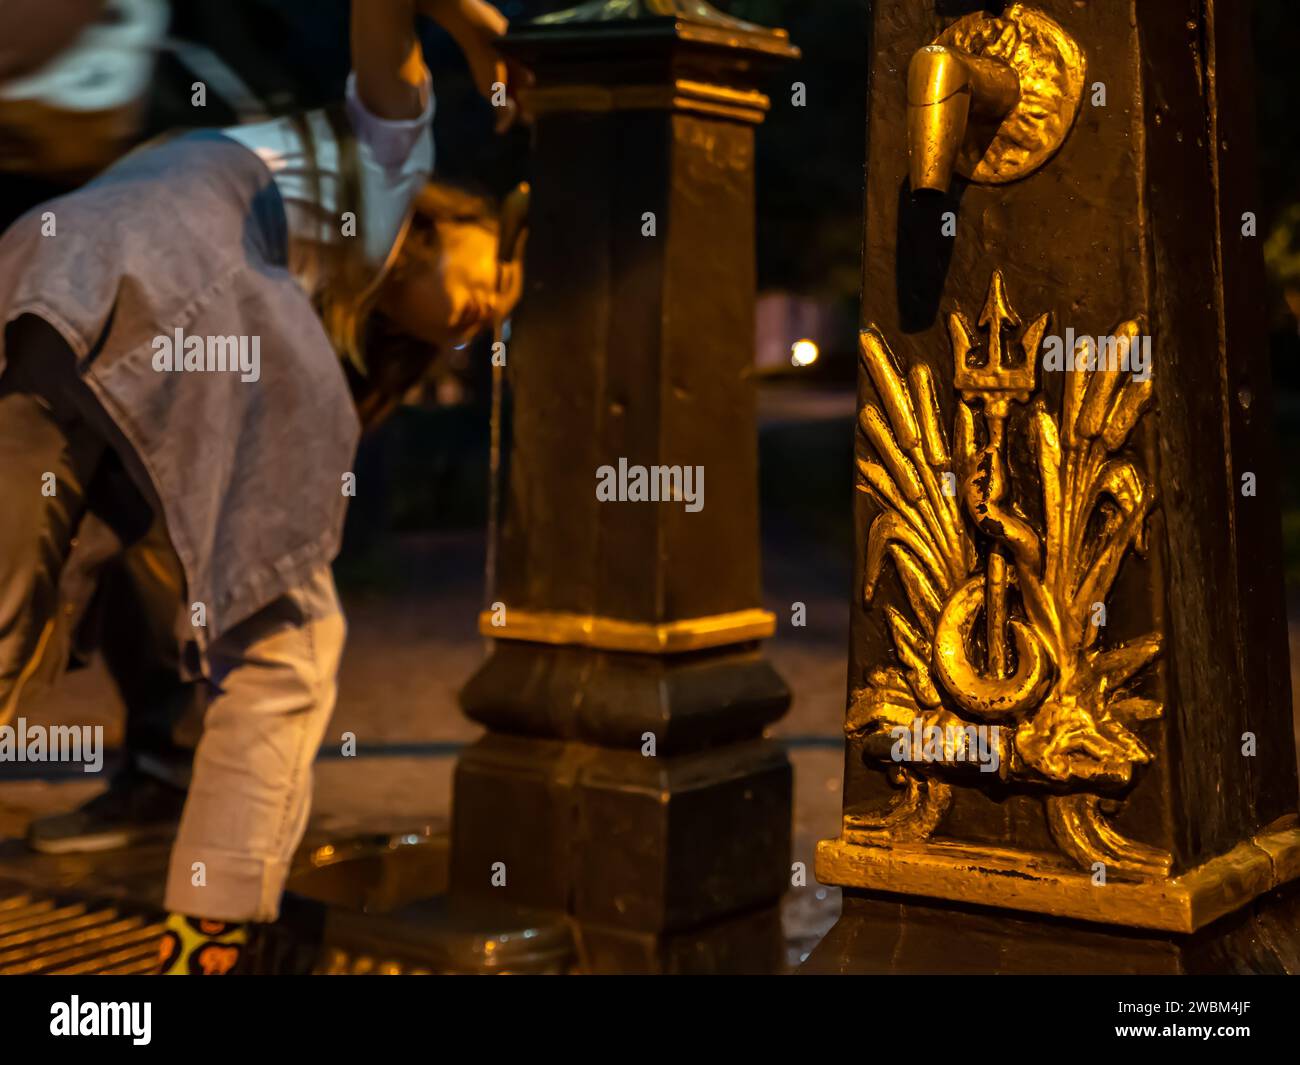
(44, 935)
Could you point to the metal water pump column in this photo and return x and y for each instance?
(624, 779)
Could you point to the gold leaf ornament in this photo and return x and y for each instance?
(997, 620)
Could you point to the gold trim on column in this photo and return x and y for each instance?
(614, 634)
(1011, 879)
(680, 95)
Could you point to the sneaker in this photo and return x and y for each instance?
(136, 808)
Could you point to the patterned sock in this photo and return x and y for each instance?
(192, 946)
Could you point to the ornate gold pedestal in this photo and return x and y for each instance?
(1069, 711)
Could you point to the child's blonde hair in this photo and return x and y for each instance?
(345, 310)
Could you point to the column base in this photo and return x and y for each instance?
(880, 933)
(647, 855)
(962, 872)
(750, 943)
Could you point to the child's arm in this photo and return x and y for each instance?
(386, 58)
(386, 52)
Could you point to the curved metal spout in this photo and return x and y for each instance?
(944, 87)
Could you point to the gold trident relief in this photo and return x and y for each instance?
(1001, 626)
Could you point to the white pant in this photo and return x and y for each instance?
(273, 675)
(274, 682)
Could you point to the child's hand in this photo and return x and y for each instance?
(476, 26)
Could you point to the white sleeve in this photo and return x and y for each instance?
(392, 142)
(393, 161)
